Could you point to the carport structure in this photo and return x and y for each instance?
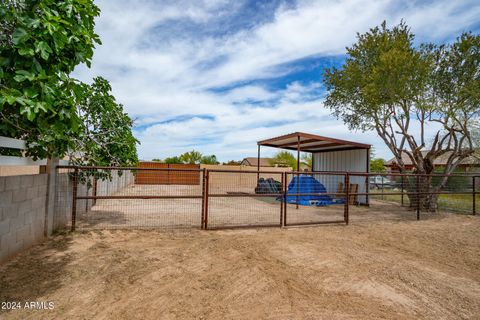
(329, 155)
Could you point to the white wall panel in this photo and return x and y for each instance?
(342, 161)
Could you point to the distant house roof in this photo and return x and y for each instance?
(439, 161)
(252, 161)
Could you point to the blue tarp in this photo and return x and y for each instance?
(307, 184)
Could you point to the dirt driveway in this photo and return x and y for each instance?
(388, 270)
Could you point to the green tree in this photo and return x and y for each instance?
(192, 157)
(392, 87)
(232, 163)
(41, 42)
(307, 158)
(105, 137)
(284, 159)
(157, 160)
(172, 160)
(211, 159)
(377, 165)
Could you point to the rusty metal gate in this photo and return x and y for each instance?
(112, 198)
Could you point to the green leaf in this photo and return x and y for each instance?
(33, 23)
(10, 99)
(30, 93)
(37, 65)
(20, 35)
(26, 52)
(23, 75)
(40, 106)
(59, 39)
(24, 102)
(4, 61)
(44, 49)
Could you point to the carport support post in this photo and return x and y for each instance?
(258, 164)
(298, 167)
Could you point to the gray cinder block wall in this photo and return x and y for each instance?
(23, 207)
(22, 213)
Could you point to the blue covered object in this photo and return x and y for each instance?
(307, 184)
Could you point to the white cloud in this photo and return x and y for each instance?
(163, 57)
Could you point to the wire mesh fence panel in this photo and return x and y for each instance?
(242, 198)
(407, 196)
(457, 192)
(315, 197)
(141, 213)
(63, 198)
(111, 198)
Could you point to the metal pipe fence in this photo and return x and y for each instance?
(113, 197)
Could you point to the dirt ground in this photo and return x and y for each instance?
(386, 270)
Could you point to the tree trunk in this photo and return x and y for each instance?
(419, 188)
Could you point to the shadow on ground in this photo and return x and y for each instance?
(43, 265)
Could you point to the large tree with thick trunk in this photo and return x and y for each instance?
(421, 100)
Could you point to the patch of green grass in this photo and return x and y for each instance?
(452, 202)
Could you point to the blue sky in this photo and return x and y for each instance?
(217, 75)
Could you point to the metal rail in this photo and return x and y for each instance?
(413, 189)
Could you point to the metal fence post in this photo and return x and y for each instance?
(203, 199)
(74, 198)
(347, 198)
(474, 195)
(205, 221)
(285, 200)
(281, 202)
(403, 182)
(418, 197)
(383, 189)
(95, 187)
